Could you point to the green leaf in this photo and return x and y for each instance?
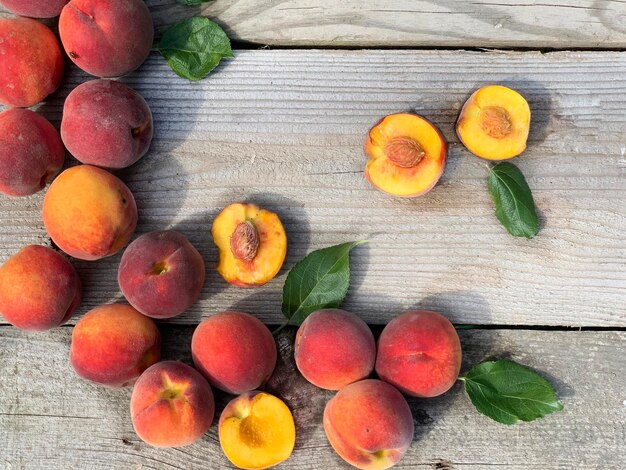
(192, 2)
(194, 47)
(507, 392)
(515, 207)
(320, 280)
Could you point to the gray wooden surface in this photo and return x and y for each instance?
(411, 23)
(285, 129)
(393, 23)
(50, 419)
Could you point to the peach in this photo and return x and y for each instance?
(420, 353)
(235, 351)
(32, 63)
(369, 424)
(494, 123)
(106, 124)
(39, 289)
(257, 431)
(161, 274)
(89, 213)
(251, 242)
(113, 344)
(31, 152)
(334, 348)
(106, 38)
(406, 155)
(172, 405)
(35, 8)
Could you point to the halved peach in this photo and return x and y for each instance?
(494, 123)
(252, 244)
(406, 155)
(257, 431)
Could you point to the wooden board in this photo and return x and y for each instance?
(50, 419)
(410, 23)
(285, 129)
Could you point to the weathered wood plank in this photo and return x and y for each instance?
(51, 419)
(410, 23)
(406, 23)
(285, 129)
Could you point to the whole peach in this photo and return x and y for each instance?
(31, 152)
(235, 351)
(334, 348)
(420, 353)
(89, 213)
(106, 38)
(39, 289)
(113, 344)
(161, 274)
(106, 124)
(172, 405)
(35, 8)
(32, 63)
(369, 424)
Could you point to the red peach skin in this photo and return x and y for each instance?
(369, 424)
(235, 351)
(172, 405)
(106, 38)
(106, 124)
(35, 8)
(420, 353)
(334, 348)
(32, 62)
(31, 152)
(161, 274)
(113, 344)
(39, 289)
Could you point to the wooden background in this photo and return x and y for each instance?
(283, 127)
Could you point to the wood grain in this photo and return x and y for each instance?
(410, 23)
(50, 419)
(285, 129)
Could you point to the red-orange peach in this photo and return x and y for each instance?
(113, 344)
(369, 424)
(89, 213)
(334, 348)
(161, 274)
(172, 405)
(235, 351)
(106, 38)
(32, 63)
(31, 152)
(420, 353)
(106, 124)
(39, 289)
(35, 8)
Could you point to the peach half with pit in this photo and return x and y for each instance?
(406, 155)
(494, 123)
(252, 244)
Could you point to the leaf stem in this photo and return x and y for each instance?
(277, 330)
